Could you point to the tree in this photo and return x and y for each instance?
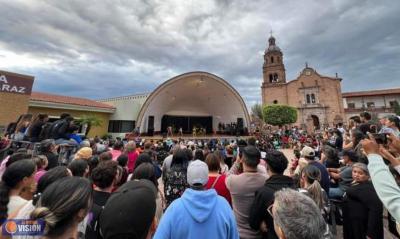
(256, 110)
(396, 107)
(279, 114)
(90, 121)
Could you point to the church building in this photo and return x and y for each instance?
(317, 98)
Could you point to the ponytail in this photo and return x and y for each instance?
(46, 215)
(4, 199)
(313, 176)
(315, 192)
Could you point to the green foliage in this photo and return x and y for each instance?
(90, 120)
(396, 107)
(256, 110)
(279, 114)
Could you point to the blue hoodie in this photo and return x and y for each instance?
(198, 214)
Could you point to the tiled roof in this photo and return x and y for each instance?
(371, 93)
(45, 97)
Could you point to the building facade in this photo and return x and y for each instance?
(378, 102)
(127, 108)
(317, 98)
(15, 92)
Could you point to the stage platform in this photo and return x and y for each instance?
(188, 137)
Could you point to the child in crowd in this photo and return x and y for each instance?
(41, 165)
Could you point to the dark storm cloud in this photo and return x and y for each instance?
(109, 48)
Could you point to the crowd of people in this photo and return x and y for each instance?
(236, 188)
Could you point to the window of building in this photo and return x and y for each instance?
(272, 59)
(370, 104)
(308, 99)
(313, 100)
(351, 105)
(271, 78)
(121, 126)
(392, 104)
(276, 77)
(275, 102)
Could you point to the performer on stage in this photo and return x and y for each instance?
(180, 131)
(194, 131)
(169, 132)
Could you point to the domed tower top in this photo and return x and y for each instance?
(272, 46)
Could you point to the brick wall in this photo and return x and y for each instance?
(11, 107)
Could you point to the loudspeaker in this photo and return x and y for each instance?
(239, 123)
(240, 126)
(150, 126)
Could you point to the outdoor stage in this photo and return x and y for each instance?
(188, 137)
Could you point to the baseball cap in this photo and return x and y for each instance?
(307, 152)
(119, 218)
(197, 173)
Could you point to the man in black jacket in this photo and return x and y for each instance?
(259, 217)
(61, 129)
(53, 129)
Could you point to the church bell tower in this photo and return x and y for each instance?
(273, 68)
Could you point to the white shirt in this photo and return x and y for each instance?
(15, 203)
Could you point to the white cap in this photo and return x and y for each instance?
(197, 173)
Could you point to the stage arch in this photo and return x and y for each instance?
(197, 95)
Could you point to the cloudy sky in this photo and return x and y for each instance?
(98, 49)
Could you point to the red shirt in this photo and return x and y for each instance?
(132, 156)
(220, 187)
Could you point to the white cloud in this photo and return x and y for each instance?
(76, 47)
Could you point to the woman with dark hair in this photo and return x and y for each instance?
(146, 171)
(338, 140)
(329, 157)
(176, 177)
(310, 184)
(362, 208)
(145, 157)
(216, 180)
(18, 175)
(36, 127)
(198, 155)
(48, 149)
(50, 177)
(357, 136)
(221, 157)
(63, 205)
(122, 162)
(79, 168)
(393, 123)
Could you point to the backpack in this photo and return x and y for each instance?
(93, 226)
(175, 183)
(53, 131)
(45, 133)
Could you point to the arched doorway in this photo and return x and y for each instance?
(316, 123)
